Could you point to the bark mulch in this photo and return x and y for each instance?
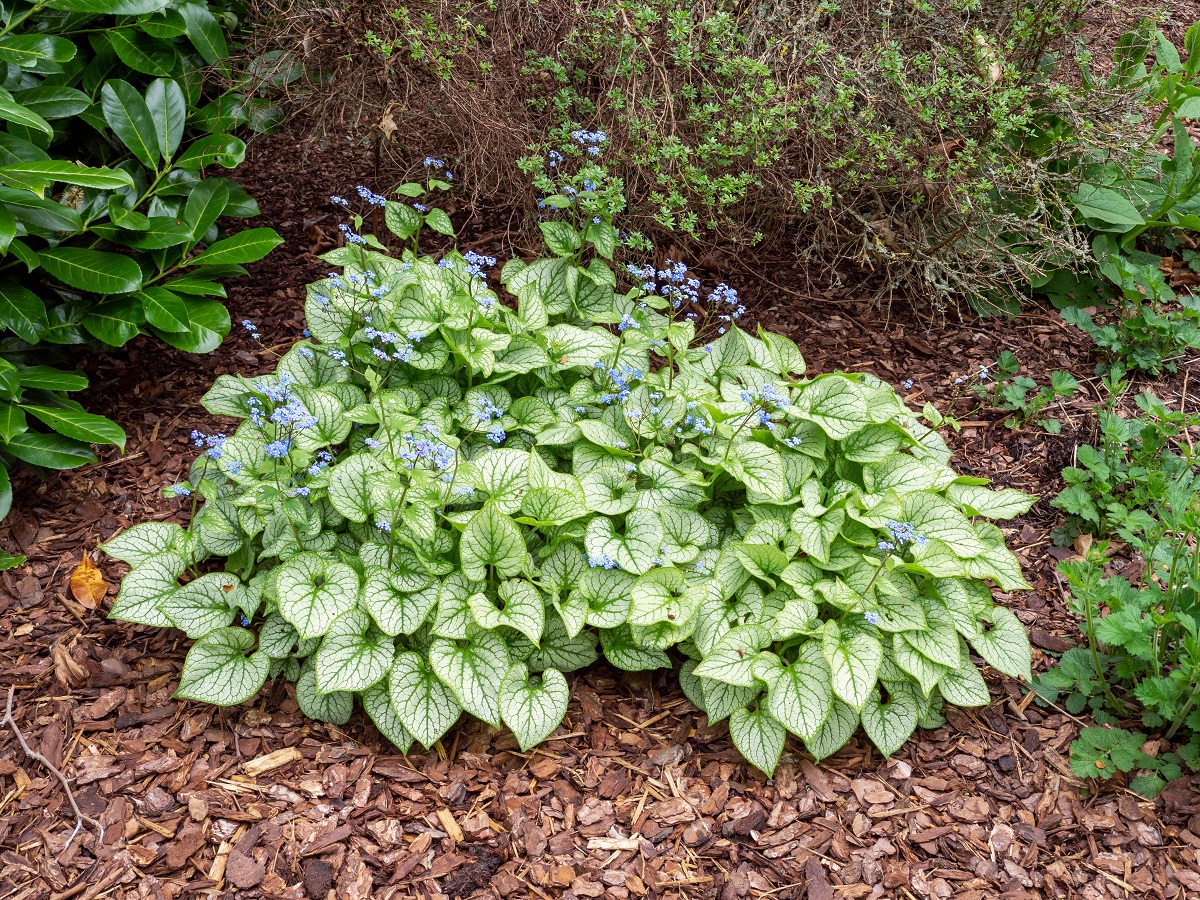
(636, 796)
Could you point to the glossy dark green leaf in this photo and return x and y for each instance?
(80, 425)
(12, 421)
(164, 310)
(10, 380)
(115, 321)
(223, 149)
(40, 213)
(11, 111)
(160, 232)
(166, 23)
(127, 115)
(205, 203)
(205, 32)
(48, 378)
(50, 451)
(92, 270)
(37, 176)
(129, 219)
(8, 228)
(18, 249)
(210, 324)
(14, 150)
(53, 101)
(7, 560)
(144, 53)
(65, 323)
(168, 110)
(22, 312)
(27, 50)
(195, 287)
(245, 246)
(109, 7)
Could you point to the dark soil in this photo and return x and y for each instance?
(636, 796)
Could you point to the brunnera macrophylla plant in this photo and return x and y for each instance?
(443, 501)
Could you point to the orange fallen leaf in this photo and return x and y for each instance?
(87, 583)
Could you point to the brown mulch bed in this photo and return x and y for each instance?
(637, 796)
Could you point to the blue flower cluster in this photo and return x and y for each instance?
(604, 561)
(488, 415)
(416, 449)
(619, 379)
(370, 196)
(214, 442)
(903, 533)
(252, 328)
(872, 617)
(352, 236)
(590, 140)
(477, 263)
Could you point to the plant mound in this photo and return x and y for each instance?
(439, 502)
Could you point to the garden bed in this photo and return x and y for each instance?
(636, 796)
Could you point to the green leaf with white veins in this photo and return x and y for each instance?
(964, 686)
(833, 734)
(491, 539)
(923, 670)
(350, 485)
(661, 595)
(817, 532)
(731, 660)
(721, 699)
(314, 591)
(336, 707)
(938, 640)
(473, 668)
(621, 650)
(606, 592)
(1005, 645)
(143, 542)
(890, 724)
(636, 550)
(502, 475)
(522, 608)
(145, 587)
(758, 467)
(424, 705)
(202, 605)
(354, 654)
(684, 532)
(937, 519)
(977, 500)
(551, 506)
(836, 405)
(394, 610)
(218, 671)
(758, 737)
(378, 704)
(562, 650)
(533, 710)
(800, 696)
(854, 658)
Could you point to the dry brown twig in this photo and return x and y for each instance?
(80, 816)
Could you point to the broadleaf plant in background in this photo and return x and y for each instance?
(108, 229)
(1141, 213)
(442, 502)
